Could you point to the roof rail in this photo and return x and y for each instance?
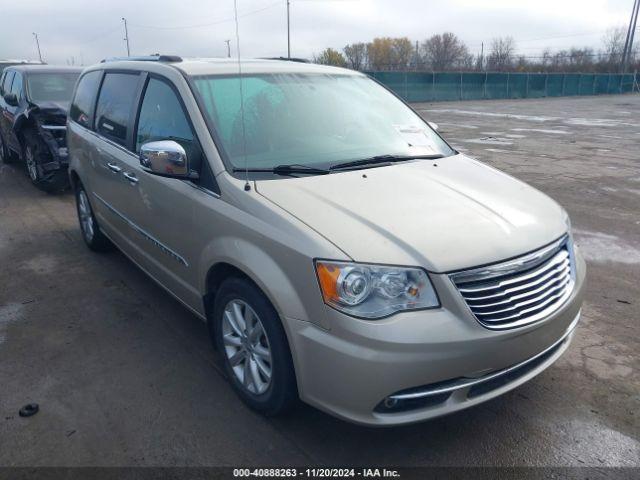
(147, 58)
(288, 59)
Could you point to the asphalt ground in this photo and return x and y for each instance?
(125, 376)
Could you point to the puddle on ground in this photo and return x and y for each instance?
(601, 248)
(542, 130)
(41, 264)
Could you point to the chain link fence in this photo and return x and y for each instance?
(440, 86)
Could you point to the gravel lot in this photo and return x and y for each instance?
(124, 375)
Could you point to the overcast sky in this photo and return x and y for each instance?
(90, 31)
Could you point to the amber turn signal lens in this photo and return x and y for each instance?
(328, 277)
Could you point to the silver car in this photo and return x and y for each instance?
(340, 251)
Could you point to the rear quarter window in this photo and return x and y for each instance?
(115, 105)
(84, 99)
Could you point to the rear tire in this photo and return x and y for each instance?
(35, 153)
(91, 234)
(249, 336)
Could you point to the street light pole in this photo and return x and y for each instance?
(126, 36)
(288, 32)
(228, 42)
(38, 45)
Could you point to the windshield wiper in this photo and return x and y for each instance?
(287, 170)
(381, 160)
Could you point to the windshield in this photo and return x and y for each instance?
(51, 87)
(312, 120)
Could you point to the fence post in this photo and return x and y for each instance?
(621, 79)
(526, 88)
(546, 84)
(433, 85)
(406, 88)
(484, 86)
(579, 83)
(608, 83)
(508, 77)
(460, 85)
(564, 82)
(593, 87)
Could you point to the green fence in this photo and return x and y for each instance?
(427, 87)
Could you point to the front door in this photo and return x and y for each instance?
(160, 208)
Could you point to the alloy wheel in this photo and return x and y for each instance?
(247, 347)
(86, 218)
(31, 163)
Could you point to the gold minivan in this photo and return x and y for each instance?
(340, 251)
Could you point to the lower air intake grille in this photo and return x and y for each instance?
(521, 291)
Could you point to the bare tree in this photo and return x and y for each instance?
(356, 55)
(501, 55)
(613, 45)
(445, 51)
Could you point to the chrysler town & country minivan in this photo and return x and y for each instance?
(339, 249)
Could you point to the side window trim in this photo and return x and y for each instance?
(134, 114)
(94, 104)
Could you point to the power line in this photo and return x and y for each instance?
(202, 25)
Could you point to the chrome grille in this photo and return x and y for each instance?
(521, 291)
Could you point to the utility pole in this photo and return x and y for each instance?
(481, 56)
(126, 36)
(288, 32)
(228, 42)
(628, 43)
(38, 45)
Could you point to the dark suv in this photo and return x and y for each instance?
(34, 101)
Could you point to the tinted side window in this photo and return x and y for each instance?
(6, 84)
(83, 102)
(116, 99)
(16, 86)
(162, 118)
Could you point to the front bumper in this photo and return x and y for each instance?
(355, 369)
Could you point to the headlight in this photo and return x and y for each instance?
(567, 221)
(374, 291)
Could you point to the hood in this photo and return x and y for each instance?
(51, 107)
(444, 215)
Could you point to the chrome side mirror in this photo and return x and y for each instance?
(433, 125)
(165, 157)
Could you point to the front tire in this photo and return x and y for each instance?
(249, 335)
(35, 153)
(91, 234)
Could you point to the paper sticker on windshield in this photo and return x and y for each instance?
(416, 137)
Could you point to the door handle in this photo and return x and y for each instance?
(131, 177)
(113, 167)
